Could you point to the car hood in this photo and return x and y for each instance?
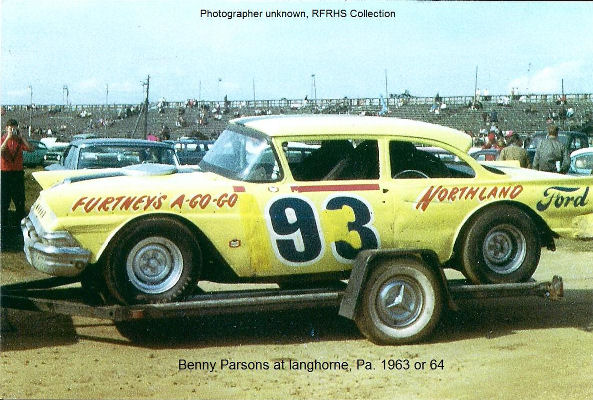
(48, 179)
(531, 175)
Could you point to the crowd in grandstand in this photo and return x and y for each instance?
(478, 116)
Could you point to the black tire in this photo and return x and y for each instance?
(94, 290)
(153, 261)
(402, 302)
(501, 245)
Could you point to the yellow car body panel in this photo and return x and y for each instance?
(258, 229)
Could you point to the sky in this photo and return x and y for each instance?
(104, 50)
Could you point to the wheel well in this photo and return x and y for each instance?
(545, 234)
(210, 256)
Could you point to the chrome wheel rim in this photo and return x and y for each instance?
(504, 249)
(154, 265)
(399, 302)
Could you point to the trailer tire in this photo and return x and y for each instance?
(402, 302)
(94, 290)
(501, 246)
(156, 260)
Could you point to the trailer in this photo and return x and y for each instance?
(62, 296)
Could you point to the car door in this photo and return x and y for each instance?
(426, 193)
(327, 208)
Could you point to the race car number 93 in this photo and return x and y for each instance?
(297, 237)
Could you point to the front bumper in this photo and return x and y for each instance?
(55, 253)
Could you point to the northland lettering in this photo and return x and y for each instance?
(453, 194)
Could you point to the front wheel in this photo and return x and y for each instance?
(402, 302)
(501, 246)
(153, 261)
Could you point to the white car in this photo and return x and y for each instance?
(581, 162)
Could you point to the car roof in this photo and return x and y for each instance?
(118, 142)
(579, 133)
(582, 151)
(311, 125)
(475, 151)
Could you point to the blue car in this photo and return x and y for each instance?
(114, 153)
(34, 157)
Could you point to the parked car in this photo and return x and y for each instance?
(581, 162)
(34, 157)
(54, 154)
(484, 154)
(573, 140)
(114, 153)
(251, 215)
(80, 136)
(191, 151)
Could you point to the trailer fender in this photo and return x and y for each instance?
(363, 264)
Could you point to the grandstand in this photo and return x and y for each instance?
(522, 114)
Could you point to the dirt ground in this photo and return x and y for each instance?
(490, 349)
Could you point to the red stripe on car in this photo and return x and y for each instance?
(332, 188)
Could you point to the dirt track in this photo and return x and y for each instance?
(494, 349)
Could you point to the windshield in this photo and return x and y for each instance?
(241, 156)
(562, 137)
(121, 156)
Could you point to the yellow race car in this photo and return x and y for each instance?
(293, 200)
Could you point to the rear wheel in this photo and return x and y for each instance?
(501, 246)
(402, 302)
(154, 261)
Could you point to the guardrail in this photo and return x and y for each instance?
(323, 103)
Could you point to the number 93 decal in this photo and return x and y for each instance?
(297, 237)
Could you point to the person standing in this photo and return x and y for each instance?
(491, 142)
(13, 176)
(514, 151)
(550, 152)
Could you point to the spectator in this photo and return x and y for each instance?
(514, 151)
(152, 137)
(165, 130)
(562, 113)
(493, 116)
(551, 155)
(13, 176)
(491, 143)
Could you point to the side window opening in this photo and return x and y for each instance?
(413, 161)
(339, 159)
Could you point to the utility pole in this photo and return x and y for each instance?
(386, 92)
(253, 84)
(106, 106)
(147, 84)
(476, 86)
(65, 94)
(30, 109)
(314, 88)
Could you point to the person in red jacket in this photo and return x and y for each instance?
(13, 176)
